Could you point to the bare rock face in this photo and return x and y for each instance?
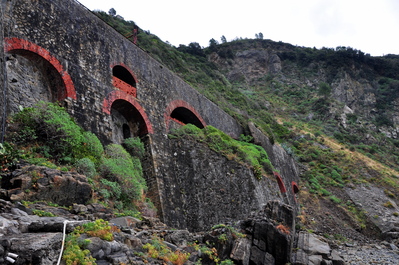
(32, 183)
(250, 64)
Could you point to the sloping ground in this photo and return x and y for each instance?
(366, 210)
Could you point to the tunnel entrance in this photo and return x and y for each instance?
(127, 121)
(186, 116)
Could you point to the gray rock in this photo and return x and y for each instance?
(179, 237)
(336, 258)
(312, 245)
(315, 259)
(241, 251)
(300, 258)
(36, 248)
(126, 221)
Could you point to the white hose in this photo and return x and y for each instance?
(63, 237)
(63, 241)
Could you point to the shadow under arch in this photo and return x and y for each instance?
(128, 116)
(182, 113)
(124, 79)
(31, 51)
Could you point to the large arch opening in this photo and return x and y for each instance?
(123, 74)
(35, 75)
(33, 79)
(124, 80)
(128, 117)
(181, 113)
(186, 116)
(127, 121)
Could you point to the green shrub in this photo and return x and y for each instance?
(57, 136)
(120, 167)
(134, 146)
(86, 167)
(222, 143)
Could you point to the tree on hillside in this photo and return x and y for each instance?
(223, 39)
(259, 36)
(112, 12)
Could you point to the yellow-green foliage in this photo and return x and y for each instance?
(220, 142)
(75, 252)
(157, 249)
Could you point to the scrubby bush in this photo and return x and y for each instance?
(50, 128)
(86, 167)
(120, 167)
(134, 146)
(220, 142)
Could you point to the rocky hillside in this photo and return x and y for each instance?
(332, 109)
(332, 112)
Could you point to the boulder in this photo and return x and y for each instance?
(38, 183)
(36, 248)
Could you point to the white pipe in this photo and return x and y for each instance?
(10, 259)
(12, 255)
(63, 237)
(63, 242)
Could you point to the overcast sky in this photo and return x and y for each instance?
(371, 26)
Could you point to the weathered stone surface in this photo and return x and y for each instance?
(127, 221)
(207, 188)
(36, 248)
(313, 245)
(266, 235)
(41, 183)
(241, 251)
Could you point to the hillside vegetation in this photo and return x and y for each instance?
(333, 109)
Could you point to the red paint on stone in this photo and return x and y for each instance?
(15, 44)
(125, 87)
(177, 104)
(280, 182)
(295, 189)
(127, 68)
(121, 95)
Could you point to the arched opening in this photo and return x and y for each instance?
(182, 113)
(36, 74)
(295, 188)
(127, 121)
(186, 116)
(126, 131)
(34, 78)
(123, 74)
(280, 182)
(124, 80)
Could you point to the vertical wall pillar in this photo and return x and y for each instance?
(3, 79)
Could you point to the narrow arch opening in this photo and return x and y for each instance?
(295, 188)
(186, 116)
(127, 121)
(123, 74)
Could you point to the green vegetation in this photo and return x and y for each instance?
(46, 135)
(75, 252)
(240, 151)
(157, 249)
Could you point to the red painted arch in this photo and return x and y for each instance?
(295, 188)
(16, 44)
(120, 95)
(177, 104)
(280, 182)
(127, 68)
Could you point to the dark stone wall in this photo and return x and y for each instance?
(209, 189)
(87, 49)
(66, 47)
(2, 76)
